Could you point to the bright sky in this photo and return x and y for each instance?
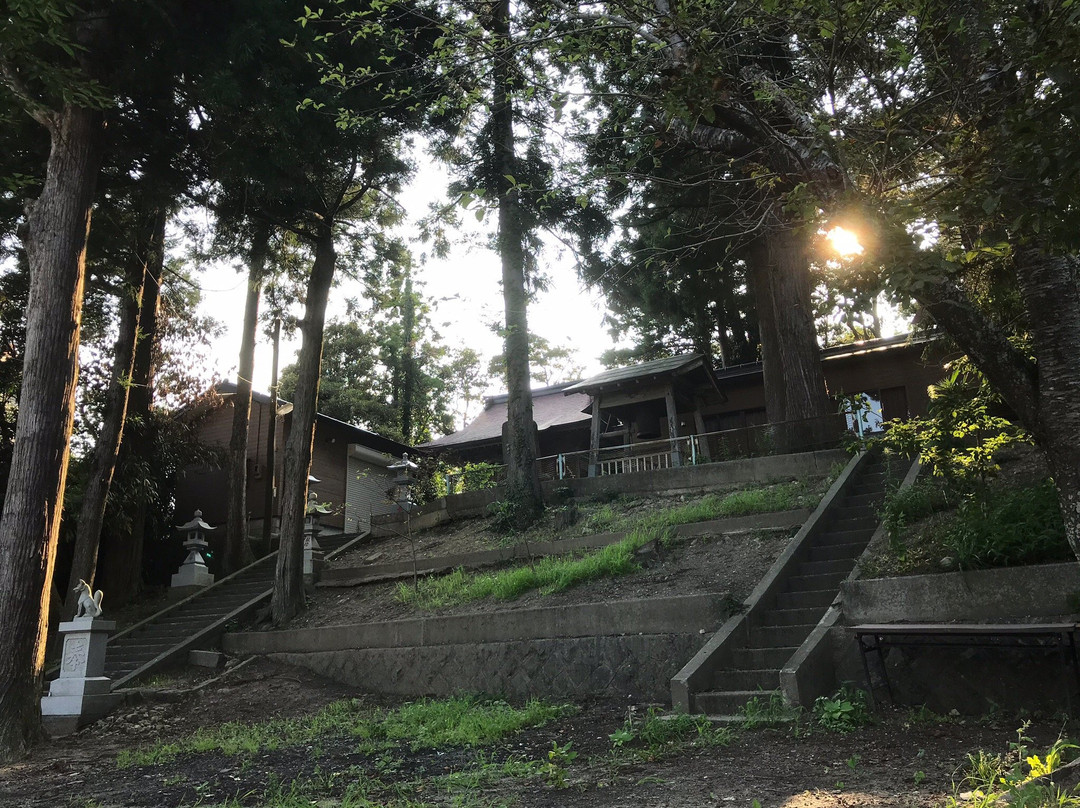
(466, 287)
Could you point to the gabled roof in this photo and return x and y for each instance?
(550, 409)
(355, 434)
(646, 371)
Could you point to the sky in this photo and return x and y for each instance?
(465, 288)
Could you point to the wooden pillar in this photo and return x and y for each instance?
(703, 445)
(594, 438)
(673, 426)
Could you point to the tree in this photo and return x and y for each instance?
(60, 95)
(466, 381)
(548, 364)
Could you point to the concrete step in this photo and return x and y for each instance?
(757, 658)
(833, 552)
(824, 567)
(839, 512)
(837, 535)
(792, 617)
(729, 701)
(800, 600)
(780, 636)
(870, 500)
(813, 583)
(757, 679)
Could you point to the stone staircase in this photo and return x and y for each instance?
(199, 620)
(787, 618)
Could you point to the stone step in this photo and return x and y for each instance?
(813, 583)
(756, 658)
(833, 552)
(792, 617)
(756, 679)
(824, 567)
(800, 600)
(729, 701)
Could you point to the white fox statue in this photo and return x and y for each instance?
(89, 600)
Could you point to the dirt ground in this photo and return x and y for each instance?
(900, 760)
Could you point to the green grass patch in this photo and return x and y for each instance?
(550, 574)
(766, 499)
(422, 724)
(656, 736)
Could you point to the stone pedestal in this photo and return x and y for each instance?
(81, 694)
(193, 573)
(313, 558)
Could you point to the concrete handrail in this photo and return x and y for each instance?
(811, 671)
(717, 651)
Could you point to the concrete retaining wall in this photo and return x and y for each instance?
(979, 595)
(661, 481)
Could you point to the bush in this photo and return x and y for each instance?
(1021, 526)
(845, 710)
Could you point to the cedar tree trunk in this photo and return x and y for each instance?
(56, 248)
(107, 448)
(790, 358)
(237, 549)
(522, 479)
(288, 598)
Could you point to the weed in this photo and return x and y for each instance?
(559, 757)
(919, 777)
(423, 724)
(766, 713)
(657, 735)
(845, 710)
(853, 762)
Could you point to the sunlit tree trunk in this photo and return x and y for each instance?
(56, 249)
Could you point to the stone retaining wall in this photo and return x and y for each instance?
(635, 666)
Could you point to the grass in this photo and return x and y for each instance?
(557, 573)
(990, 777)
(656, 736)
(420, 725)
(993, 526)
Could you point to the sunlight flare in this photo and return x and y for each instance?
(844, 242)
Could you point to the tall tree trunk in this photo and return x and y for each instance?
(56, 248)
(408, 384)
(237, 549)
(107, 448)
(790, 357)
(288, 598)
(120, 564)
(271, 441)
(522, 478)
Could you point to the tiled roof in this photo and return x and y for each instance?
(550, 409)
(657, 367)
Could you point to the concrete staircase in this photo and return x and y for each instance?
(198, 621)
(785, 619)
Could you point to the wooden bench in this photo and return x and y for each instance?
(874, 638)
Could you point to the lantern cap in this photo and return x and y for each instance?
(404, 465)
(195, 524)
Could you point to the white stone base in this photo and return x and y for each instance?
(196, 575)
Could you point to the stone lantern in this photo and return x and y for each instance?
(193, 573)
(404, 479)
(313, 553)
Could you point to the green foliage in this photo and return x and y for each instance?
(657, 735)
(1012, 527)
(420, 725)
(480, 476)
(558, 758)
(548, 575)
(961, 434)
(762, 712)
(902, 506)
(844, 711)
(990, 777)
(510, 516)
